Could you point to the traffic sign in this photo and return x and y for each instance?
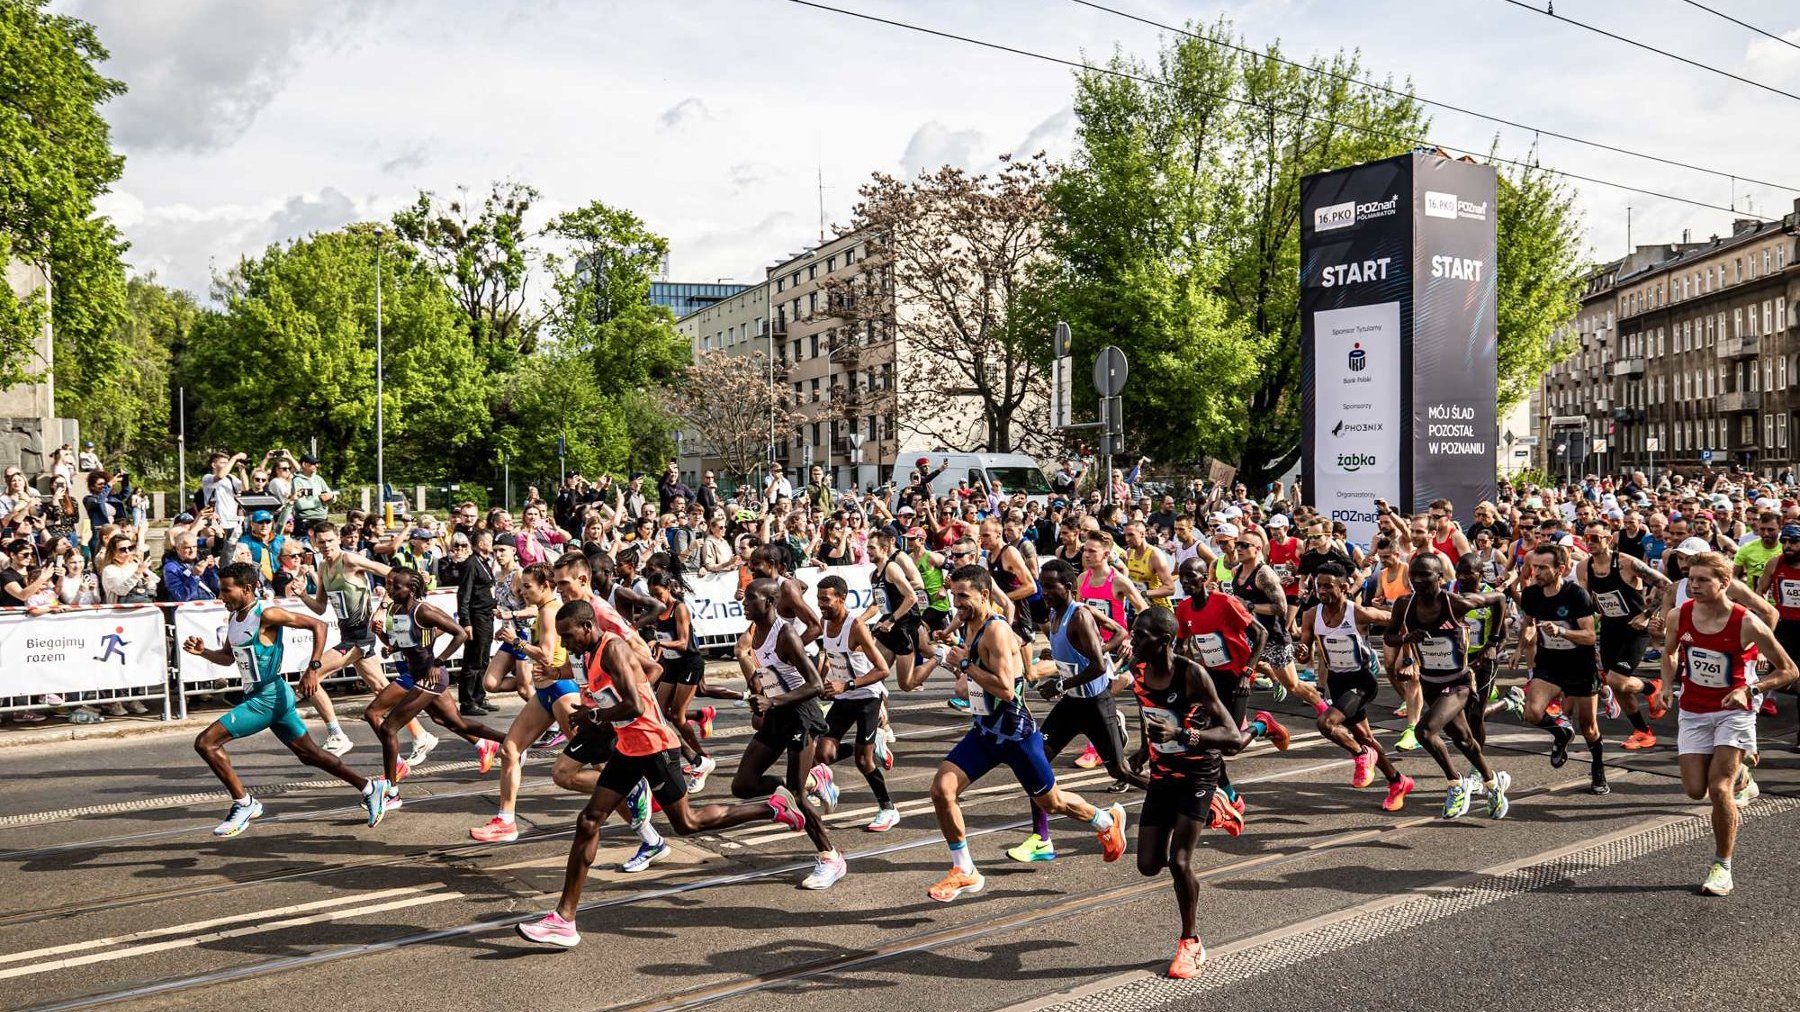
(1652, 444)
(1600, 445)
(1110, 371)
(1705, 456)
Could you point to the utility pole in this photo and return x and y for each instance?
(380, 430)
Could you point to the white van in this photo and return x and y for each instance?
(1011, 472)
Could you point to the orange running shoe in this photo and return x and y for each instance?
(1554, 709)
(1112, 839)
(1653, 698)
(707, 714)
(1225, 817)
(1397, 792)
(1088, 759)
(955, 884)
(485, 751)
(1189, 955)
(401, 770)
(1639, 740)
(1278, 736)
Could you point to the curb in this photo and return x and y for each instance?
(136, 727)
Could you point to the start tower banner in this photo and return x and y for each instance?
(1398, 338)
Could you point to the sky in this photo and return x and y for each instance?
(251, 123)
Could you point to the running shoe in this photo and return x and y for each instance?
(552, 930)
(785, 810)
(1262, 682)
(885, 819)
(485, 751)
(1599, 786)
(1117, 787)
(1768, 706)
(1308, 675)
(646, 856)
(376, 801)
(551, 738)
(883, 754)
(422, 747)
(1477, 789)
(1362, 768)
(1224, 817)
(1514, 701)
(637, 804)
(1400, 711)
(1397, 792)
(1112, 839)
(1035, 849)
(1559, 745)
(1743, 787)
(955, 884)
(1278, 692)
(1639, 740)
(1088, 759)
(827, 869)
(696, 775)
(496, 830)
(238, 819)
(1235, 800)
(139, 709)
(1278, 736)
(1456, 800)
(707, 713)
(1409, 740)
(393, 798)
(1498, 805)
(401, 769)
(1718, 881)
(1494, 693)
(1189, 955)
(1554, 709)
(825, 788)
(958, 704)
(1653, 698)
(1609, 703)
(1653, 654)
(338, 744)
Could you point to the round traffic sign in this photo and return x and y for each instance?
(1110, 371)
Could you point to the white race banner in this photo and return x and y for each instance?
(78, 651)
(1356, 414)
(718, 613)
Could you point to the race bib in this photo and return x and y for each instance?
(1171, 718)
(1225, 587)
(1708, 668)
(1611, 604)
(246, 663)
(1213, 651)
(401, 632)
(1341, 653)
(767, 681)
(837, 667)
(1476, 627)
(978, 701)
(1285, 572)
(1553, 640)
(340, 602)
(605, 696)
(1437, 653)
(1790, 593)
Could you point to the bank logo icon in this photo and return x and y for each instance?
(1359, 359)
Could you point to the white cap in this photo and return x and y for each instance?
(1278, 520)
(1226, 530)
(1766, 503)
(1693, 546)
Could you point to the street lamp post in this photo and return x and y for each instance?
(380, 431)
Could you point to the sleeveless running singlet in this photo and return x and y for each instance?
(1346, 650)
(256, 661)
(1712, 664)
(1070, 662)
(846, 665)
(1444, 652)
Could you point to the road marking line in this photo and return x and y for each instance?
(215, 936)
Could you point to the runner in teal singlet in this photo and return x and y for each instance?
(252, 643)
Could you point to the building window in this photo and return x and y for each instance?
(849, 256)
(1781, 431)
(1740, 269)
(1768, 316)
(1768, 428)
(830, 264)
(814, 345)
(1781, 320)
(780, 284)
(812, 272)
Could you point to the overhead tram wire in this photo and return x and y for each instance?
(1743, 24)
(1374, 86)
(1521, 4)
(1139, 78)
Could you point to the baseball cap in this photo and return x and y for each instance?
(1790, 530)
(1693, 546)
(1226, 530)
(88, 445)
(1059, 504)
(922, 462)
(1534, 503)
(420, 534)
(919, 532)
(506, 540)
(1278, 520)
(261, 517)
(904, 509)
(185, 518)
(307, 458)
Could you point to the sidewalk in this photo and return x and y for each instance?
(56, 730)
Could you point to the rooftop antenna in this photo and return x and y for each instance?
(1628, 246)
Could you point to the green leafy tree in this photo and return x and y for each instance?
(56, 157)
(553, 394)
(485, 254)
(131, 416)
(1539, 271)
(600, 304)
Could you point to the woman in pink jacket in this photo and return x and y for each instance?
(539, 540)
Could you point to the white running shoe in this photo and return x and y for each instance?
(885, 819)
(827, 870)
(422, 747)
(338, 743)
(238, 819)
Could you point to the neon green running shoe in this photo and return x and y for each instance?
(1034, 849)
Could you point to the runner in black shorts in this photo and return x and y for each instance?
(855, 685)
(1186, 731)
(1624, 590)
(1334, 636)
(683, 669)
(1557, 641)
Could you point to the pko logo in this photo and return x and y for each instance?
(1359, 359)
(1440, 205)
(1355, 461)
(1354, 516)
(1334, 216)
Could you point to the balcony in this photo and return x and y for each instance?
(1627, 415)
(779, 326)
(1602, 405)
(1739, 400)
(1742, 346)
(1629, 367)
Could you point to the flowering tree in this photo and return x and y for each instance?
(728, 401)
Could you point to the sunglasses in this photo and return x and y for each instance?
(1242, 545)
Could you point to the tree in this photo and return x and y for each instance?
(131, 415)
(292, 356)
(486, 257)
(1539, 272)
(552, 394)
(949, 256)
(730, 404)
(601, 296)
(56, 157)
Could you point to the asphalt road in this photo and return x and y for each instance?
(116, 892)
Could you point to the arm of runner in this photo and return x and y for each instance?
(995, 665)
(812, 625)
(1303, 649)
(861, 641)
(1222, 733)
(1014, 561)
(285, 619)
(1784, 673)
(1367, 616)
(432, 617)
(1165, 580)
(1758, 605)
(544, 651)
(1123, 586)
(217, 655)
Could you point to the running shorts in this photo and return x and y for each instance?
(1188, 797)
(514, 651)
(357, 637)
(683, 669)
(1352, 694)
(1582, 682)
(936, 621)
(1622, 648)
(863, 714)
(549, 694)
(979, 752)
(592, 745)
(1278, 653)
(660, 770)
(1234, 692)
(269, 707)
(902, 637)
(1097, 719)
(1706, 733)
(787, 728)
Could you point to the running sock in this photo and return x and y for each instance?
(245, 800)
(960, 859)
(504, 816)
(1597, 758)
(1724, 862)
(368, 786)
(877, 779)
(1259, 729)
(1040, 822)
(1638, 723)
(1102, 820)
(1230, 791)
(648, 834)
(334, 728)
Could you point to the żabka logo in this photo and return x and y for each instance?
(1355, 461)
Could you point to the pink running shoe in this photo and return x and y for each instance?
(1397, 792)
(785, 810)
(485, 751)
(552, 930)
(1088, 759)
(496, 830)
(1363, 768)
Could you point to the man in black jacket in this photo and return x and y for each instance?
(475, 610)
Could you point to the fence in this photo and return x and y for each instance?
(133, 652)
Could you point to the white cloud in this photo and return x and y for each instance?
(688, 110)
(934, 145)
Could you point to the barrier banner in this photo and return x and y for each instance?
(79, 651)
(717, 614)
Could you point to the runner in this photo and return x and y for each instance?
(1186, 729)
(645, 751)
(1709, 648)
(419, 688)
(252, 642)
(1335, 633)
(342, 578)
(1781, 583)
(1617, 583)
(1255, 583)
(684, 668)
(554, 699)
(784, 708)
(1430, 620)
(1003, 732)
(897, 610)
(1078, 675)
(1104, 588)
(1148, 568)
(1220, 633)
(1557, 641)
(1487, 633)
(855, 686)
(510, 669)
